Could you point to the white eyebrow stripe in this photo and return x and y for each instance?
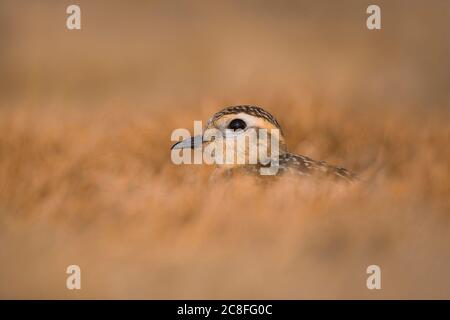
(251, 120)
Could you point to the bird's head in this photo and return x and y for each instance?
(253, 125)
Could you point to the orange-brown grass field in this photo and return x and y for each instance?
(86, 176)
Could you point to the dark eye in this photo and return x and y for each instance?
(237, 124)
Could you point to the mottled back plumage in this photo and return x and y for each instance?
(302, 165)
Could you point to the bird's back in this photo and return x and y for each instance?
(290, 163)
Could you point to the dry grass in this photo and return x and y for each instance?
(86, 176)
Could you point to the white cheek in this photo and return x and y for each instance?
(231, 134)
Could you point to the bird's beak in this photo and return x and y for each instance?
(190, 143)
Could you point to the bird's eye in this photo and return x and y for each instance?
(237, 124)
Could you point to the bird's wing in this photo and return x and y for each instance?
(298, 164)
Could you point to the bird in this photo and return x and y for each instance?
(241, 118)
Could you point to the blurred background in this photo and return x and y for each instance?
(85, 170)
